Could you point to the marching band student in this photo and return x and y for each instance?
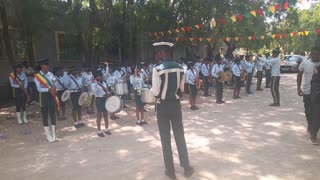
(60, 85)
(249, 67)
(48, 99)
(111, 81)
(121, 78)
(236, 70)
(137, 82)
(100, 91)
(19, 83)
(267, 69)
(75, 86)
(87, 77)
(32, 89)
(191, 77)
(205, 72)
(128, 72)
(146, 73)
(259, 66)
(217, 69)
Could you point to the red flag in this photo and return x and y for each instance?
(240, 17)
(284, 36)
(278, 7)
(223, 21)
(317, 31)
(278, 36)
(254, 38)
(294, 34)
(260, 11)
(286, 5)
(201, 26)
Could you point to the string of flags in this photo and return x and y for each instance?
(252, 38)
(263, 11)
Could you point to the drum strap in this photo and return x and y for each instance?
(75, 82)
(61, 84)
(104, 89)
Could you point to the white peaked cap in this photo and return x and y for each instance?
(163, 44)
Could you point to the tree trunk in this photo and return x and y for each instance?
(5, 33)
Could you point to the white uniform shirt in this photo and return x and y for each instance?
(275, 64)
(60, 82)
(126, 70)
(216, 69)
(22, 78)
(97, 90)
(191, 76)
(145, 73)
(307, 66)
(137, 82)
(119, 74)
(236, 70)
(87, 78)
(205, 69)
(111, 80)
(40, 87)
(72, 85)
(29, 71)
(249, 67)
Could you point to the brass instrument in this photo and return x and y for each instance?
(243, 75)
(222, 77)
(198, 81)
(229, 75)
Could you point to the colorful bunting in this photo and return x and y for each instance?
(253, 13)
(191, 39)
(236, 38)
(284, 36)
(266, 11)
(273, 36)
(260, 11)
(228, 39)
(213, 23)
(272, 9)
(307, 33)
(277, 7)
(240, 17)
(286, 5)
(177, 30)
(233, 18)
(188, 29)
(197, 26)
(209, 39)
(223, 21)
(249, 37)
(246, 15)
(262, 37)
(200, 39)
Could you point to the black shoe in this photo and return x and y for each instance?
(313, 140)
(238, 97)
(192, 108)
(188, 172)
(267, 87)
(145, 110)
(219, 102)
(90, 112)
(196, 108)
(223, 101)
(125, 106)
(274, 104)
(77, 125)
(82, 124)
(144, 122)
(209, 95)
(171, 174)
(235, 97)
(139, 123)
(100, 134)
(107, 133)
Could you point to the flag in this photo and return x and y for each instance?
(209, 39)
(266, 11)
(262, 37)
(182, 29)
(240, 17)
(177, 39)
(223, 21)
(253, 13)
(286, 5)
(273, 36)
(233, 18)
(191, 39)
(284, 36)
(197, 26)
(272, 9)
(170, 32)
(228, 39)
(188, 28)
(201, 26)
(213, 23)
(249, 37)
(307, 33)
(277, 7)
(200, 39)
(177, 30)
(260, 11)
(246, 15)
(236, 38)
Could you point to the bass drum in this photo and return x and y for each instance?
(65, 95)
(114, 104)
(85, 99)
(121, 89)
(147, 97)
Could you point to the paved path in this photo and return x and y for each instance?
(243, 139)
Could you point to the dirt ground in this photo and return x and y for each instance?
(242, 139)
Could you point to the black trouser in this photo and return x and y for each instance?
(268, 77)
(275, 81)
(206, 85)
(46, 112)
(21, 99)
(315, 107)
(129, 89)
(62, 104)
(259, 79)
(249, 81)
(219, 89)
(169, 112)
(308, 109)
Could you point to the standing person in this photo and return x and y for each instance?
(259, 67)
(19, 83)
(32, 89)
(75, 86)
(100, 91)
(275, 79)
(236, 70)
(191, 78)
(217, 70)
(87, 77)
(60, 85)
(205, 73)
(138, 84)
(128, 72)
(168, 85)
(48, 100)
(305, 72)
(249, 66)
(267, 69)
(146, 73)
(111, 81)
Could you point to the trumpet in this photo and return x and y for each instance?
(243, 75)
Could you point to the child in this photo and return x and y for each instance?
(138, 83)
(100, 91)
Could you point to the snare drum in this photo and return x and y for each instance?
(65, 96)
(121, 89)
(114, 104)
(147, 97)
(85, 99)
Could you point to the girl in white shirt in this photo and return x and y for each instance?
(191, 77)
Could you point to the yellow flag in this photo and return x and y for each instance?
(177, 39)
(191, 39)
(301, 34)
(177, 30)
(262, 37)
(291, 34)
(228, 39)
(200, 39)
(170, 32)
(182, 29)
(236, 38)
(307, 33)
(197, 26)
(233, 18)
(272, 9)
(209, 39)
(213, 23)
(273, 36)
(253, 13)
